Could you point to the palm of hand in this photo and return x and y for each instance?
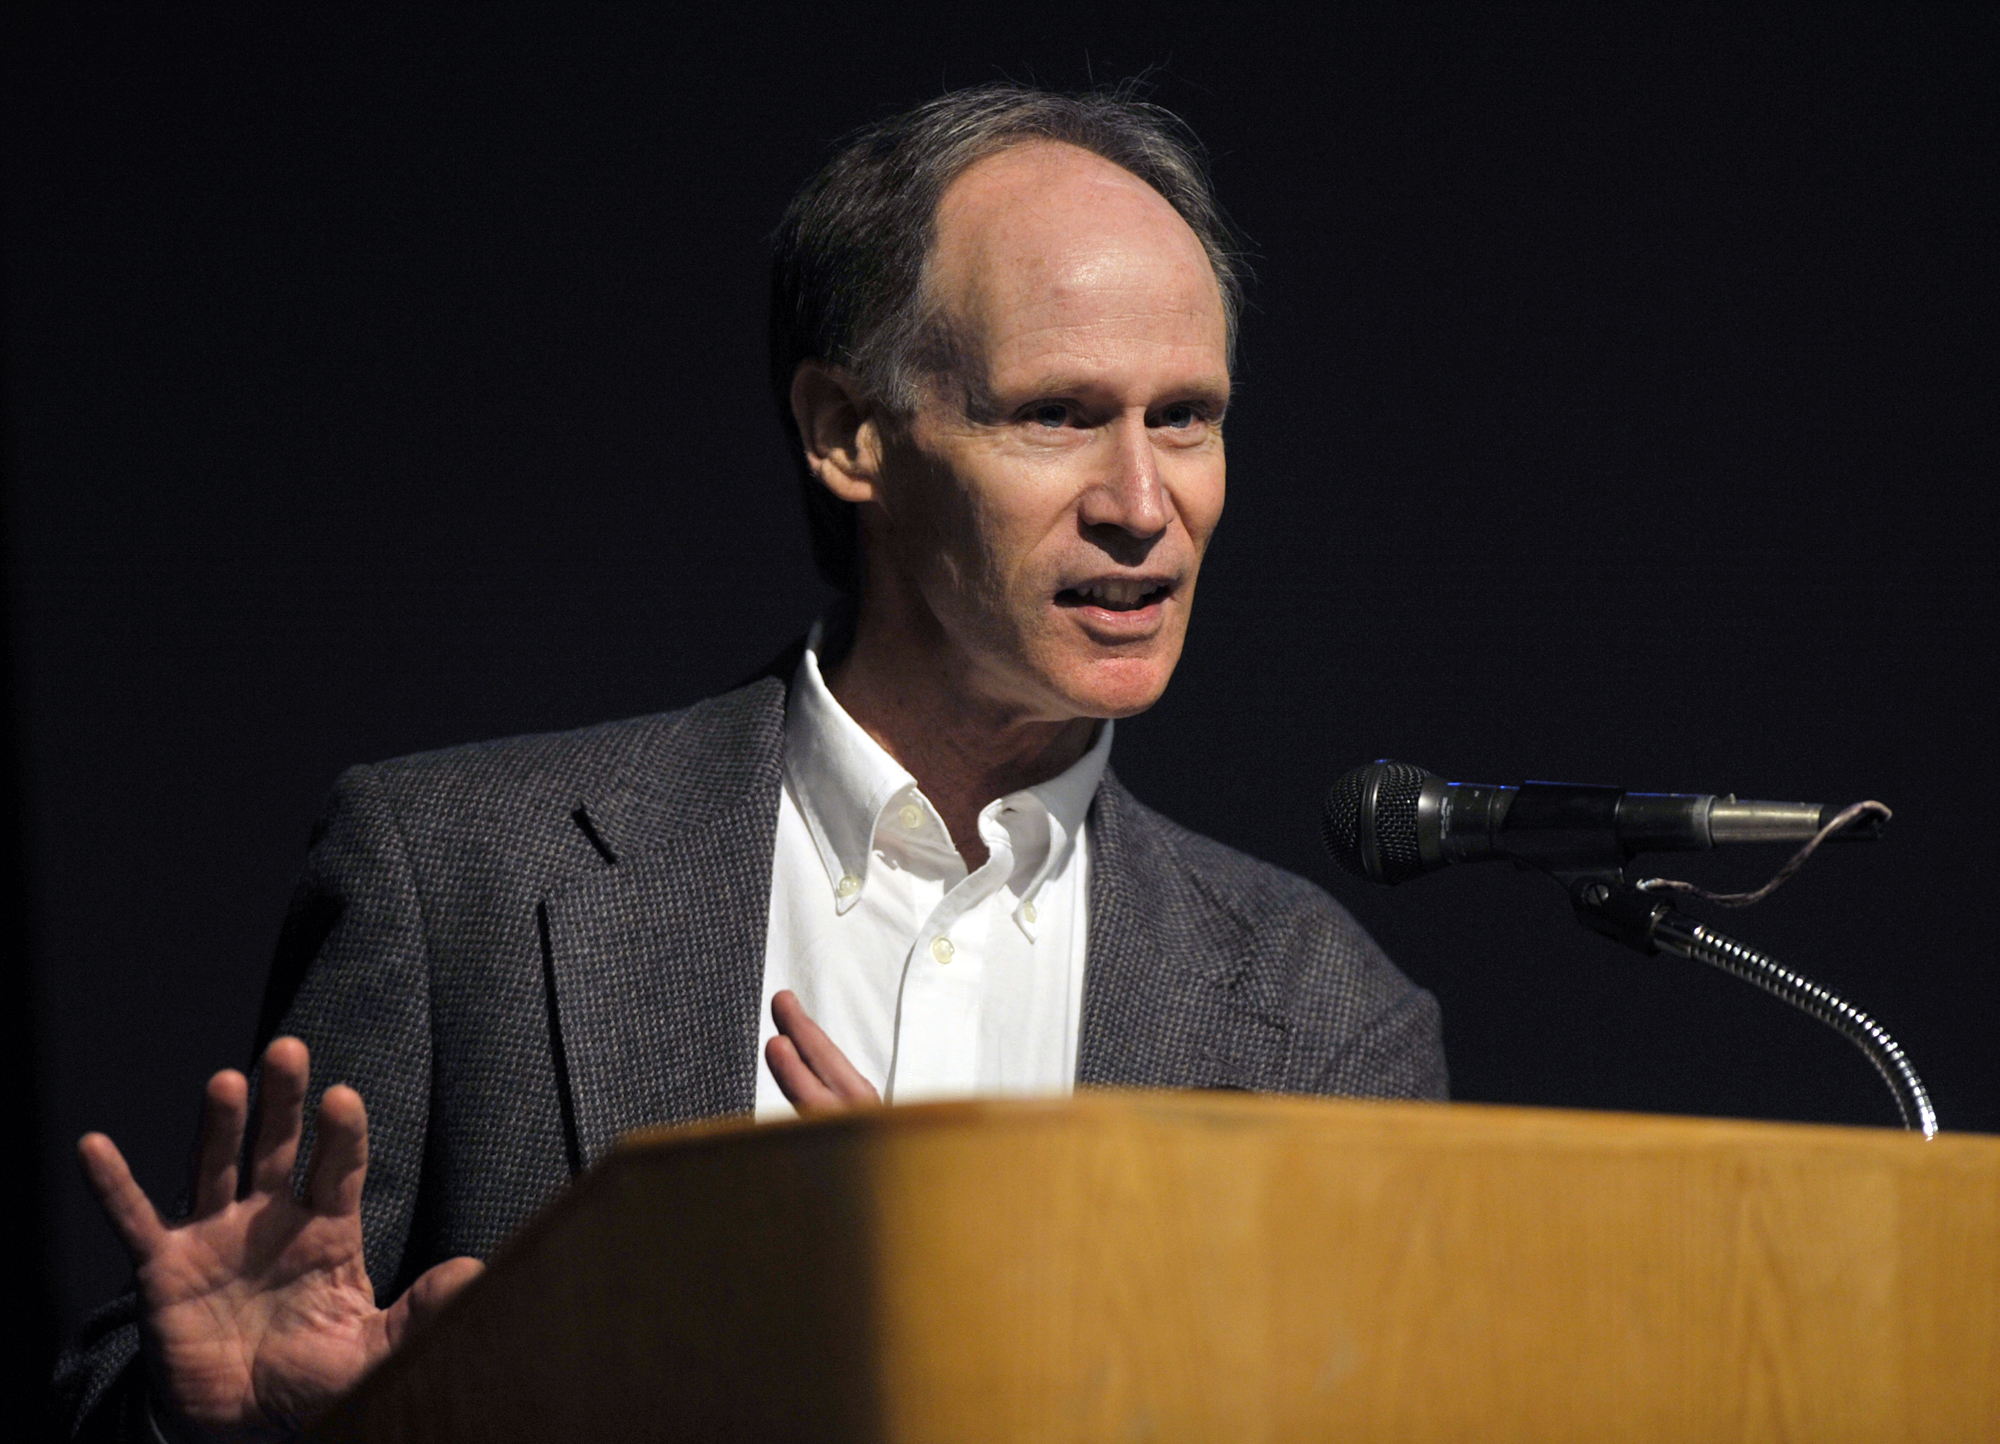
(261, 1314)
(258, 1311)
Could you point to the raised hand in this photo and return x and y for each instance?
(256, 1312)
(812, 1072)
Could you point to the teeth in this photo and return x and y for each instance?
(1115, 592)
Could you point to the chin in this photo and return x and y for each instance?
(1118, 687)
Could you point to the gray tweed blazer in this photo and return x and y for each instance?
(519, 950)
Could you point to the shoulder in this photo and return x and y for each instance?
(591, 760)
(1255, 894)
(1278, 942)
(612, 785)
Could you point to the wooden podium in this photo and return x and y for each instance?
(1128, 1267)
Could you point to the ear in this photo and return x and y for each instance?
(838, 425)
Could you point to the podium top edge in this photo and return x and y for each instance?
(1360, 1119)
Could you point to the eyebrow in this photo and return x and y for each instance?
(981, 405)
(978, 402)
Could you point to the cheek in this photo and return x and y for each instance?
(939, 529)
(1198, 499)
(978, 554)
(1015, 526)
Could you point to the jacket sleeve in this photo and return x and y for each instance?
(1397, 1051)
(350, 978)
(1373, 1033)
(1361, 1027)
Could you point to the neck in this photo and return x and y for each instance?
(963, 748)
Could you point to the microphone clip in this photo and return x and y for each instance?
(1605, 903)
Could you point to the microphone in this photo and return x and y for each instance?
(1392, 821)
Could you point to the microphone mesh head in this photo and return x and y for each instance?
(1396, 821)
(1393, 824)
(1339, 821)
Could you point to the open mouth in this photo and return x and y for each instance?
(1115, 594)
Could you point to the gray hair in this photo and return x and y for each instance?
(847, 270)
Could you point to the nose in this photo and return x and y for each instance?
(1128, 494)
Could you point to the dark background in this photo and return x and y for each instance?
(1615, 405)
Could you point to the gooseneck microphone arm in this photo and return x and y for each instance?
(1389, 822)
(1647, 923)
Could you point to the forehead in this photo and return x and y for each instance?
(1046, 248)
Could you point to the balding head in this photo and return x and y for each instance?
(851, 255)
(1046, 253)
(1034, 522)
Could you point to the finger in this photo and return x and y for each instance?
(223, 1106)
(433, 1289)
(119, 1195)
(800, 1085)
(340, 1154)
(820, 1052)
(281, 1099)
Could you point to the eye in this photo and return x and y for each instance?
(1179, 418)
(1051, 414)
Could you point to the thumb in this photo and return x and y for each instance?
(433, 1289)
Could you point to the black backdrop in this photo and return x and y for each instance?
(1612, 408)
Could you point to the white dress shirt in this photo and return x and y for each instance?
(934, 981)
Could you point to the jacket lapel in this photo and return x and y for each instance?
(1171, 988)
(656, 963)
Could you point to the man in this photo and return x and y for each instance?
(894, 866)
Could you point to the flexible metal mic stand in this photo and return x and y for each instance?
(1649, 924)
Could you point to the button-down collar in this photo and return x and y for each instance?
(846, 785)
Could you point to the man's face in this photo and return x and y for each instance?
(1044, 512)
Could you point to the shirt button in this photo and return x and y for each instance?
(942, 950)
(848, 886)
(912, 816)
(1028, 911)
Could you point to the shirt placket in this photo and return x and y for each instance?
(944, 988)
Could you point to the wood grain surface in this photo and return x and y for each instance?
(1194, 1267)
